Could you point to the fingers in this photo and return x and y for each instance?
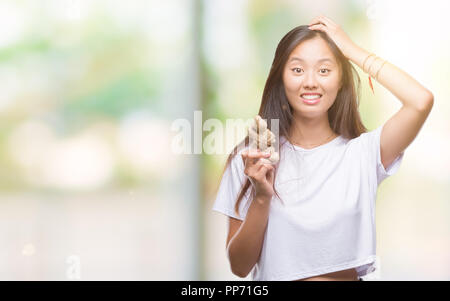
(322, 23)
(317, 20)
(251, 156)
(317, 27)
(270, 175)
(256, 154)
(252, 162)
(317, 24)
(328, 20)
(263, 170)
(323, 20)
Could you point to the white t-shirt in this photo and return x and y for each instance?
(327, 222)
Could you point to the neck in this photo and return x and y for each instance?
(310, 132)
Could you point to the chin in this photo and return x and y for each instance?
(309, 113)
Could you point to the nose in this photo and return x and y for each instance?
(309, 81)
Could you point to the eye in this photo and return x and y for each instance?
(325, 69)
(296, 69)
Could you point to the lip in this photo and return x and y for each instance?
(311, 102)
(306, 93)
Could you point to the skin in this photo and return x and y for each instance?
(310, 75)
(261, 175)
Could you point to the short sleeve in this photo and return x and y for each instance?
(232, 180)
(372, 145)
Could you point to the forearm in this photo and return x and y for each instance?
(410, 92)
(245, 247)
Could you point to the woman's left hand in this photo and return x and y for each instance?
(335, 32)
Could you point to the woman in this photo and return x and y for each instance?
(312, 215)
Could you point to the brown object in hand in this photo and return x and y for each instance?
(263, 139)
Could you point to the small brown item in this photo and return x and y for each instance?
(263, 139)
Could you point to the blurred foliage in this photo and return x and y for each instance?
(73, 76)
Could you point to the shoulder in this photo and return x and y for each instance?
(370, 139)
(365, 138)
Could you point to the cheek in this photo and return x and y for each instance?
(292, 83)
(331, 84)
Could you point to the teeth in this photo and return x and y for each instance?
(310, 96)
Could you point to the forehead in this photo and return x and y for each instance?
(312, 51)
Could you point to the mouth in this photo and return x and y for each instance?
(310, 98)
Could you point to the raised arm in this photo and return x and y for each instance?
(401, 129)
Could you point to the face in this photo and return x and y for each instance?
(311, 68)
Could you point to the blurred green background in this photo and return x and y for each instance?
(89, 186)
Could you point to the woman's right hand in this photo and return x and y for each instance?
(261, 175)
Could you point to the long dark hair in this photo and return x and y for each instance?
(343, 115)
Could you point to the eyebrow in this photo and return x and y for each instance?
(321, 60)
